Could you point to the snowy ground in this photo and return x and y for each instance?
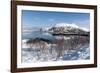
(35, 55)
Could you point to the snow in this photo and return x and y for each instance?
(24, 45)
(80, 54)
(66, 24)
(34, 55)
(84, 29)
(73, 25)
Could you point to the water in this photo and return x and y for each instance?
(37, 34)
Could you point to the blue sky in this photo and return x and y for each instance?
(48, 18)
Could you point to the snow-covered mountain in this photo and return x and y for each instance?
(66, 25)
(68, 28)
(71, 26)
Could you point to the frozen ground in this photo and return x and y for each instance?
(35, 55)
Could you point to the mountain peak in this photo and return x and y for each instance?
(66, 24)
(72, 25)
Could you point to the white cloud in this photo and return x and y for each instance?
(51, 20)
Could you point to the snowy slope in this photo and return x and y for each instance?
(71, 25)
(66, 24)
